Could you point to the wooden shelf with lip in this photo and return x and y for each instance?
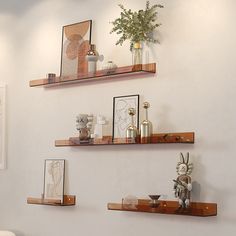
(187, 137)
(167, 207)
(68, 200)
(125, 71)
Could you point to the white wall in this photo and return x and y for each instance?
(193, 91)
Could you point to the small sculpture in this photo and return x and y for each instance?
(146, 126)
(84, 125)
(132, 131)
(183, 185)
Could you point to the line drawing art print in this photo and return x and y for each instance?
(76, 40)
(2, 126)
(121, 118)
(54, 172)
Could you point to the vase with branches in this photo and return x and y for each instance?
(137, 27)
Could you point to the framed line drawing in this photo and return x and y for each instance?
(54, 175)
(121, 118)
(2, 126)
(76, 40)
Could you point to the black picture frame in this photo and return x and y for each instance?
(121, 118)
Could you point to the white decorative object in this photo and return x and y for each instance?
(98, 129)
(2, 126)
(90, 123)
(110, 67)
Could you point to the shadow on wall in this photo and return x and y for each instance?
(6, 233)
(16, 6)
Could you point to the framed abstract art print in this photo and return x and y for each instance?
(76, 40)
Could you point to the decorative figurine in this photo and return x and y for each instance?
(182, 185)
(92, 58)
(132, 131)
(146, 126)
(84, 125)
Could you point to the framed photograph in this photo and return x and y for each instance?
(121, 118)
(2, 126)
(54, 175)
(76, 40)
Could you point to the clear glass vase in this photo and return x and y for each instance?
(137, 53)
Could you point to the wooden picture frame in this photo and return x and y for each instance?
(2, 126)
(54, 178)
(121, 118)
(76, 40)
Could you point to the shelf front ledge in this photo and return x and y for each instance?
(161, 138)
(125, 71)
(168, 207)
(68, 200)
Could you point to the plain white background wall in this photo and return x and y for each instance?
(193, 90)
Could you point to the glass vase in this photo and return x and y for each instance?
(137, 54)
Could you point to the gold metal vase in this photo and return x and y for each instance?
(146, 126)
(132, 131)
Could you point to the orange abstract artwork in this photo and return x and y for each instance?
(76, 39)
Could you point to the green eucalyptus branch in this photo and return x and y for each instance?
(136, 26)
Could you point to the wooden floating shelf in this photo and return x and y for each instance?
(168, 207)
(68, 200)
(187, 137)
(100, 74)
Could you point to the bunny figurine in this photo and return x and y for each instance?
(183, 185)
